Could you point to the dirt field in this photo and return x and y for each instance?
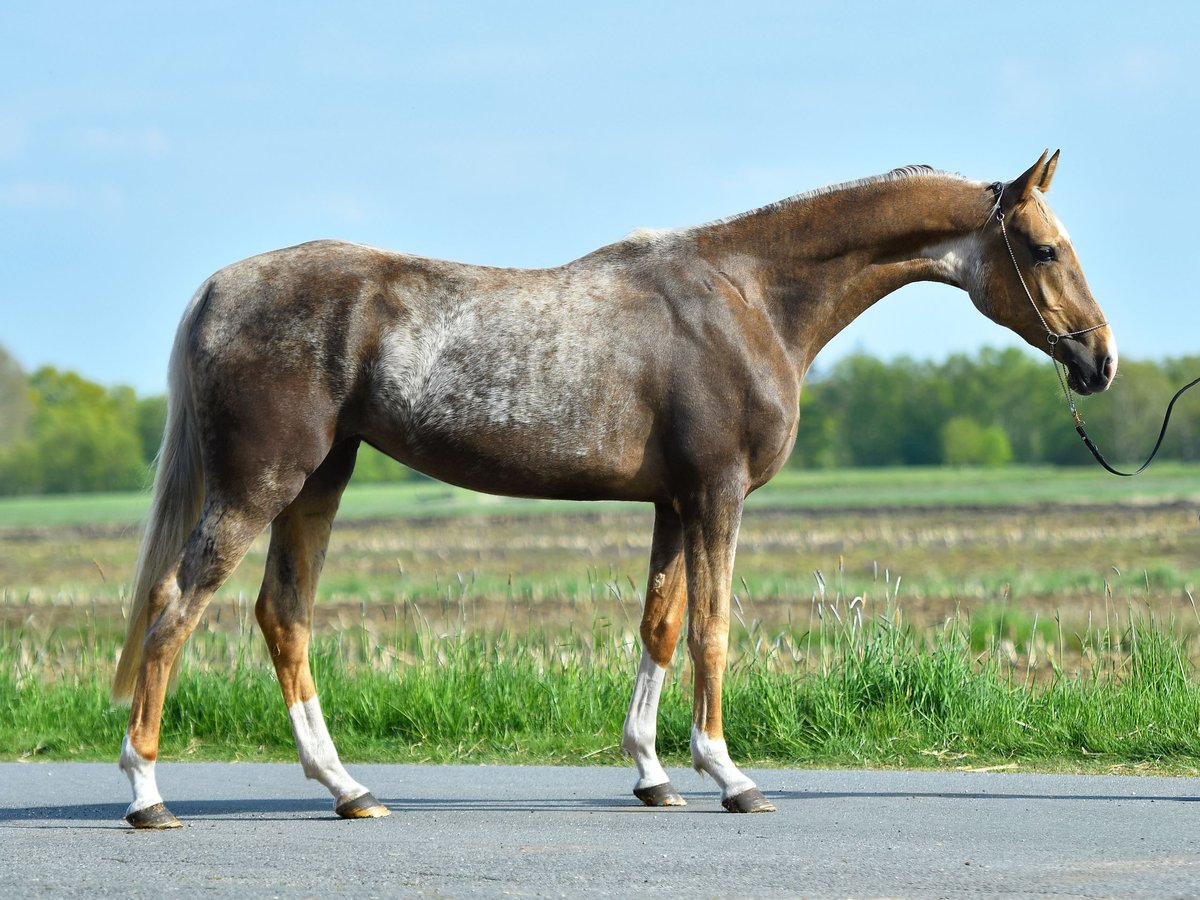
(1079, 564)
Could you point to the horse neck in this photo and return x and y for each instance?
(818, 262)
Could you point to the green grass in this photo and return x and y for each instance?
(838, 488)
(844, 692)
(454, 627)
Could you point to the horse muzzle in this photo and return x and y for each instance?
(1089, 369)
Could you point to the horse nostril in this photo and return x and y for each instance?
(1109, 368)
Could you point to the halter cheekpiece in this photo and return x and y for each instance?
(1052, 337)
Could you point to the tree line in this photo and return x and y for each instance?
(987, 408)
(60, 433)
(63, 434)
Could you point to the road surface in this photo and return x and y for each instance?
(261, 830)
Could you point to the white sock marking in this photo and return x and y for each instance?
(712, 756)
(141, 776)
(318, 756)
(641, 725)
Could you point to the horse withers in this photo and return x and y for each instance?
(665, 368)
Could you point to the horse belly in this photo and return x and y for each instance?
(549, 410)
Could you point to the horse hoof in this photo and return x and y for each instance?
(154, 818)
(751, 801)
(659, 795)
(364, 807)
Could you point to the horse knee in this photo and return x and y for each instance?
(708, 644)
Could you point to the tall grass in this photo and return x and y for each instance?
(851, 685)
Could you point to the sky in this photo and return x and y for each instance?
(145, 145)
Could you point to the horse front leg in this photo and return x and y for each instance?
(711, 524)
(662, 620)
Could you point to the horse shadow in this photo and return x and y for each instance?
(78, 815)
(977, 795)
(107, 815)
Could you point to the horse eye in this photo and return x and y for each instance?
(1044, 253)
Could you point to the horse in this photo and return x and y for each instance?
(665, 368)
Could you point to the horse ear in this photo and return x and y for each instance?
(1022, 188)
(1048, 173)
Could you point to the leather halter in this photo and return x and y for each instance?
(1053, 338)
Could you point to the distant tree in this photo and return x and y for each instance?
(79, 439)
(869, 412)
(14, 400)
(373, 466)
(1185, 419)
(1020, 394)
(967, 443)
(149, 419)
(817, 444)
(869, 402)
(1125, 420)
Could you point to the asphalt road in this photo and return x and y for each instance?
(256, 830)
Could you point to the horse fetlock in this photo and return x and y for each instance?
(140, 772)
(710, 756)
(634, 744)
(640, 747)
(318, 756)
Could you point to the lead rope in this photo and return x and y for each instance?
(1060, 368)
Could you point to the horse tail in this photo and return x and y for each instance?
(175, 504)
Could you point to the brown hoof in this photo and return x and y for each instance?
(751, 801)
(364, 807)
(156, 817)
(659, 795)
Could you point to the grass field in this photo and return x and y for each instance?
(791, 489)
(1027, 617)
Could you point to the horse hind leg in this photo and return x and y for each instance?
(217, 544)
(662, 620)
(299, 538)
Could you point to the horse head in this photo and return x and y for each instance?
(1031, 282)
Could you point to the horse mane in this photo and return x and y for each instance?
(898, 174)
(658, 237)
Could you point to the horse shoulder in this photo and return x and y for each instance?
(732, 372)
